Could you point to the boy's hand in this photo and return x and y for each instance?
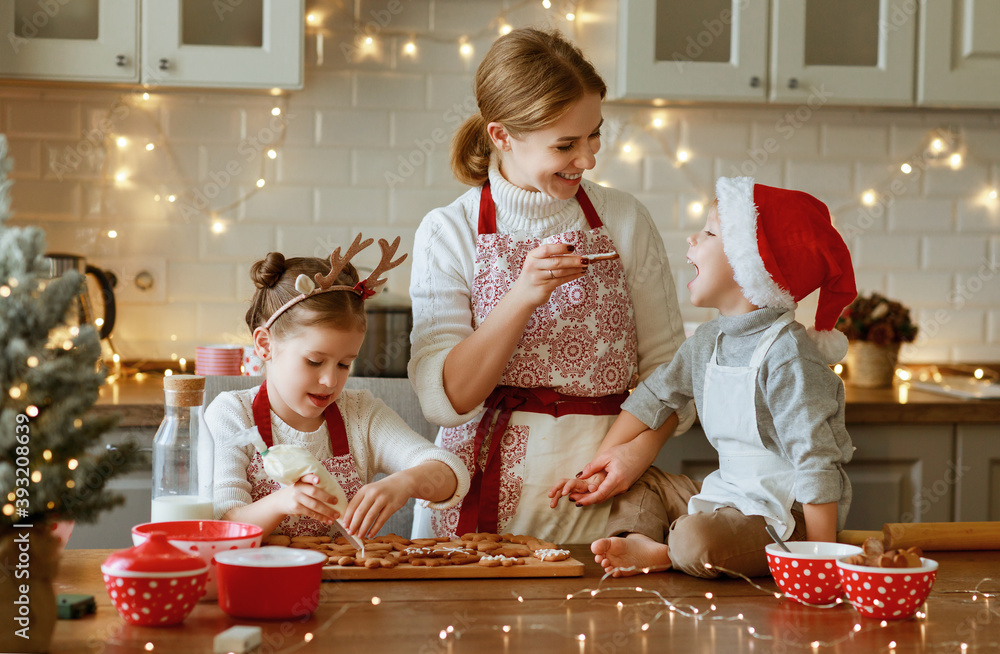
(304, 497)
(373, 505)
(573, 488)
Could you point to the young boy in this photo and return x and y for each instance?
(764, 392)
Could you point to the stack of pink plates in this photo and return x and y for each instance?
(218, 360)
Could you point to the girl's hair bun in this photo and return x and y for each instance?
(268, 271)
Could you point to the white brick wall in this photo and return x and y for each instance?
(930, 243)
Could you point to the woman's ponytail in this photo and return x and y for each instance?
(470, 151)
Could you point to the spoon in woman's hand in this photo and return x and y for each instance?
(774, 536)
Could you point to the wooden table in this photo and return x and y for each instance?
(409, 616)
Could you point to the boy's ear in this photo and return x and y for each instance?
(262, 343)
(499, 136)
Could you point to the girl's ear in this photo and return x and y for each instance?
(262, 343)
(499, 136)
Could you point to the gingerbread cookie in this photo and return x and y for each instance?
(550, 555)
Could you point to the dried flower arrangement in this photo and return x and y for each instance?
(878, 320)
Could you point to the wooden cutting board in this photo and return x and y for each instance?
(531, 568)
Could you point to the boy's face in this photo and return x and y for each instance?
(714, 285)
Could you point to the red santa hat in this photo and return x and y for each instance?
(782, 247)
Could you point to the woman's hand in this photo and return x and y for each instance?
(574, 488)
(545, 268)
(622, 466)
(305, 498)
(372, 506)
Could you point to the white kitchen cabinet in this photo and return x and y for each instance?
(182, 43)
(245, 43)
(94, 40)
(959, 63)
(848, 52)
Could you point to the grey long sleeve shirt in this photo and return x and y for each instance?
(799, 400)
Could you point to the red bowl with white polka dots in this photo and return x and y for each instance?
(154, 584)
(808, 574)
(887, 593)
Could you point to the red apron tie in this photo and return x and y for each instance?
(480, 508)
(334, 422)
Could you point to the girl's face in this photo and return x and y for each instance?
(307, 371)
(714, 285)
(552, 160)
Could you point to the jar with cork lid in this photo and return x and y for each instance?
(183, 454)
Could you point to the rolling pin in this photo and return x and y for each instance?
(930, 536)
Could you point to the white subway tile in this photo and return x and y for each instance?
(49, 200)
(854, 141)
(453, 94)
(969, 180)
(620, 173)
(26, 157)
(200, 281)
(325, 166)
(921, 289)
(978, 215)
(677, 247)
(62, 236)
(818, 177)
(664, 175)
(993, 320)
(312, 241)
(430, 56)
(984, 142)
(880, 252)
(769, 171)
(424, 131)
(239, 242)
(222, 322)
(976, 353)
(662, 209)
(204, 123)
(858, 221)
(389, 169)
(907, 141)
(275, 204)
(45, 118)
(925, 353)
(177, 239)
(364, 206)
(782, 138)
(709, 138)
(951, 327)
(328, 89)
(869, 281)
(953, 252)
(343, 49)
(979, 287)
(155, 323)
(457, 16)
(300, 127)
(390, 90)
(72, 159)
(408, 206)
(921, 215)
(353, 128)
(377, 16)
(439, 173)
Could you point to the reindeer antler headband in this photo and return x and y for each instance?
(325, 283)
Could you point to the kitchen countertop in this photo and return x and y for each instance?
(139, 401)
(410, 616)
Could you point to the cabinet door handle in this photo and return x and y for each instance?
(164, 64)
(121, 60)
(793, 83)
(755, 81)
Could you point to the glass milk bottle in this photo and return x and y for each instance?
(183, 454)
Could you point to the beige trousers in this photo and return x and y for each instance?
(656, 506)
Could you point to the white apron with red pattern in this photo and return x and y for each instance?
(582, 344)
(340, 465)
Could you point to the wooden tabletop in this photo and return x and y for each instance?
(411, 616)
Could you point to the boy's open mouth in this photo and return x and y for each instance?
(318, 400)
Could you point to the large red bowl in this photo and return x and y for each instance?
(274, 583)
(203, 538)
(808, 574)
(887, 593)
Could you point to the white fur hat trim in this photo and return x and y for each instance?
(738, 222)
(832, 344)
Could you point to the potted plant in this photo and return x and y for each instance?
(50, 471)
(875, 327)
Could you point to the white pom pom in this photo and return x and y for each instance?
(304, 285)
(832, 344)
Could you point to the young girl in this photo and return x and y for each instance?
(524, 342)
(308, 335)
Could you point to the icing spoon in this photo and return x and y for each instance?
(774, 536)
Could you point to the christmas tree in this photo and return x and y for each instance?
(50, 373)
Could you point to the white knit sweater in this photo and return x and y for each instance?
(379, 441)
(444, 255)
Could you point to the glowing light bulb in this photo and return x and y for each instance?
(695, 208)
(626, 148)
(465, 50)
(506, 628)
(892, 644)
(276, 111)
(505, 29)
(72, 464)
(15, 392)
(645, 626)
(150, 147)
(122, 141)
(442, 634)
(369, 40)
(839, 368)
(32, 361)
(156, 198)
(260, 183)
(683, 155)
(571, 16)
(145, 96)
(658, 123)
(906, 168)
(857, 628)
(36, 476)
(978, 374)
(955, 160)
(272, 154)
(116, 357)
(937, 145)
(218, 227)
(112, 233)
(547, 4)
(312, 19)
(410, 48)
(171, 198)
(868, 198)
(581, 637)
(815, 644)
(121, 176)
(168, 372)
(992, 194)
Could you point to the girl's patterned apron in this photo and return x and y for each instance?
(563, 387)
(340, 464)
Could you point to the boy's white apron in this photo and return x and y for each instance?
(750, 477)
(340, 465)
(559, 394)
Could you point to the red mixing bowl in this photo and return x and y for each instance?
(276, 583)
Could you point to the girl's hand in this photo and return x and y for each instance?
(304, 497)
(545, 268)
(369, 509)
(574, 488)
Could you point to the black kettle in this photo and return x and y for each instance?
(60, 263)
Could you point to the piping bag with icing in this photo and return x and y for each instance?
(286, 464)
